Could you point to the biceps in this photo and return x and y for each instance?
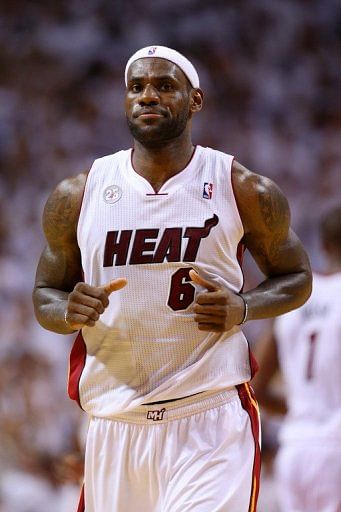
(59, 269)
(278, 254)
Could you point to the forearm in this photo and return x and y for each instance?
(272, 403)
(50, 306)
(278, 295)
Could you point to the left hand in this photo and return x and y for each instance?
(216, 309)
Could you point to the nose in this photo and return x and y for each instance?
(149, 96)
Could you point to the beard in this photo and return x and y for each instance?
(156, 134)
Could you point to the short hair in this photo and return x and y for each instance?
(330, 228)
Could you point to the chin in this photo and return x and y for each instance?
(149, 134)
(156, 134)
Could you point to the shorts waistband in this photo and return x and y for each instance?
(166, 412)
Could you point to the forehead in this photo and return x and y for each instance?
(155, 67)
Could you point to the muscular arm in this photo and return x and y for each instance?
(62, 302)
(274, 246)
(59, 267)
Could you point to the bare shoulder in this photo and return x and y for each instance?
(261, 203)
(61, 212)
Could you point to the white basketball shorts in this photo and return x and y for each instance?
(308, 477)
(198, 454)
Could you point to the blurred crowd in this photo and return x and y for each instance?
(272, 78)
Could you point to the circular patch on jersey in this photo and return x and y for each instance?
(112, 194)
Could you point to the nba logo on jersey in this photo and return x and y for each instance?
(152, 50)
(207, 193)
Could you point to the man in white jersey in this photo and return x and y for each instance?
(143, 259)
(306, 346)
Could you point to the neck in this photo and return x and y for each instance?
(159, 163)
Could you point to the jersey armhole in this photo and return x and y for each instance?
(238, 217)
(81, 208)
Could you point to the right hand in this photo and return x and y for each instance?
(86, 303)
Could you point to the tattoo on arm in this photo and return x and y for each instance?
(274, 209)
(279, 254)
(269, 227)
(60, 263)
(59, 218)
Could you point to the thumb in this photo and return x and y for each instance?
(196, 278)
(114, 285)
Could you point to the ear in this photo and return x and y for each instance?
(197, 99)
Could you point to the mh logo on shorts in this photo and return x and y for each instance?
(156, 415)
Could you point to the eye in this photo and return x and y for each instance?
(135, 88)
(166, 87)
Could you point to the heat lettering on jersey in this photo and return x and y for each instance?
(140, 246)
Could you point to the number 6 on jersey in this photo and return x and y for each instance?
(181, 293)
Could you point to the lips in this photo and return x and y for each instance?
(148, 114)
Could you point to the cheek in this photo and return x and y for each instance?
(179, 106)
(183, 109)
(128, 106)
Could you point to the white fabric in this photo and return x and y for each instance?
(142, 350)
(308, 466)
(310, 359)
(162, 52)
(200, 462)
(309, 478)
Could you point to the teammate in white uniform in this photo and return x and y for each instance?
(143, 259)
(306, 345)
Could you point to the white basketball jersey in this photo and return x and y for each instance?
(309, 347)
(146, 346)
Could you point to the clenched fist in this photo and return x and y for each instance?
(86, 303)
(216, 309)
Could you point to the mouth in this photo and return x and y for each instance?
(148, 114)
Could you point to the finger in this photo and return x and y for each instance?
(212, 298)
(204, 319)
(210, 327)
(215, 310)
(89, 301)
(77, 321)
(114, 285)
(196, 278)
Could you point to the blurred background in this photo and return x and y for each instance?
(271, 73)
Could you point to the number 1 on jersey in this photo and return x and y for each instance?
(311, 354)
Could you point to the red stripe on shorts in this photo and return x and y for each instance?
(77, 363)
(81, 504)
(250, 405)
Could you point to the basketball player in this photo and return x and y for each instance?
(143, 259)
(305, 345)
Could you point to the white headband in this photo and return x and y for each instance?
(162, 52)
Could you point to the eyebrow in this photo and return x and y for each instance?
(140, 78)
